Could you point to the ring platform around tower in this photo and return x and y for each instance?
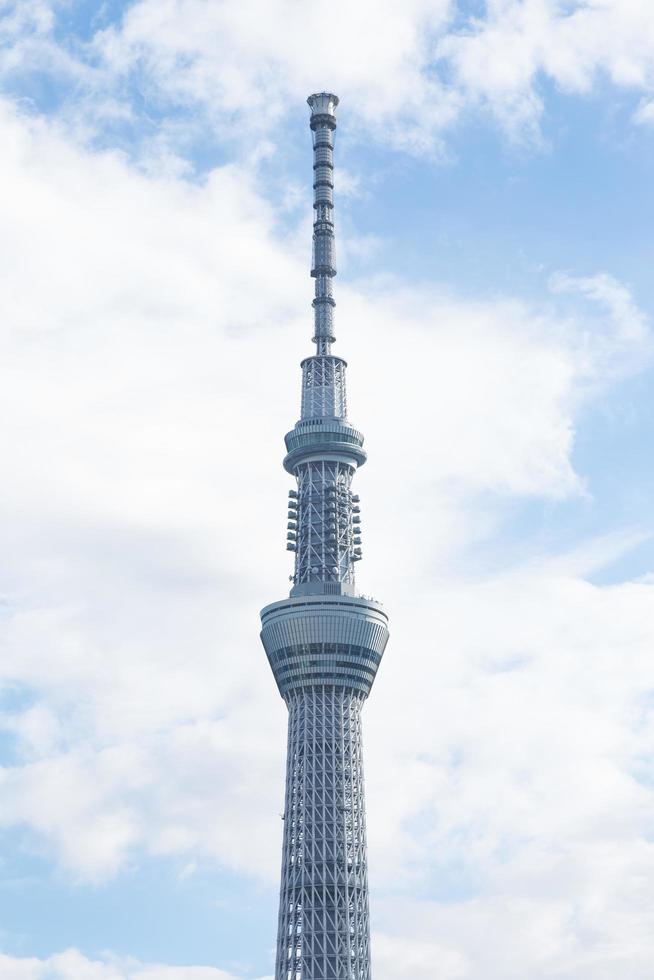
(323, 439)
(324, 640)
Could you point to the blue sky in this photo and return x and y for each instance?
(494, 301)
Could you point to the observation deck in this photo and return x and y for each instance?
(324, 439)
(323, 640)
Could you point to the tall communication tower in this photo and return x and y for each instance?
(324, 644)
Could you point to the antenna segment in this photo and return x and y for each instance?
(323, 268)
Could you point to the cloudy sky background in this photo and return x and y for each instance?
(495, 303)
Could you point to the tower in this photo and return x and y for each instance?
(324, 644)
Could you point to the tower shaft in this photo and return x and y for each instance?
(324, 645)
(323, 909)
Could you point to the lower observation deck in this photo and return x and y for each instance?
(316, 640)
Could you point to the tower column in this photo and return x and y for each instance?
(323, 911)
(324, 644)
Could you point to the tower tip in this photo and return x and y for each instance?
(323, 104)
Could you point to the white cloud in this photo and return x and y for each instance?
(30, 48)
(396, 956)
(644, 114)
(148, 382)
(407, 72)
(501, 58)
(73, 965)
(627, 330)
(34, 16)
(253, 59)
(525, 752)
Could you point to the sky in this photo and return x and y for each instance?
(494, 218)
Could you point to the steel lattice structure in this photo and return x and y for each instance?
(324, 644)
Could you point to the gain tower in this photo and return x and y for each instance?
(324, 644)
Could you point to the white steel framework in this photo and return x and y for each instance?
(324, 645)
(324, 930)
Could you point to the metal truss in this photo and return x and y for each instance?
(323, 388)
(324, 931)
(325, 536)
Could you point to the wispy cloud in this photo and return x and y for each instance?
(410, 71)
(73, 965)
(142, 535)
(147, 322)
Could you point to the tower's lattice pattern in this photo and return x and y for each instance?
(323, 388)
(324, 644)
(323, 912)
(326, 533)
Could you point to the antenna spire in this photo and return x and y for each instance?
(323, 269)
